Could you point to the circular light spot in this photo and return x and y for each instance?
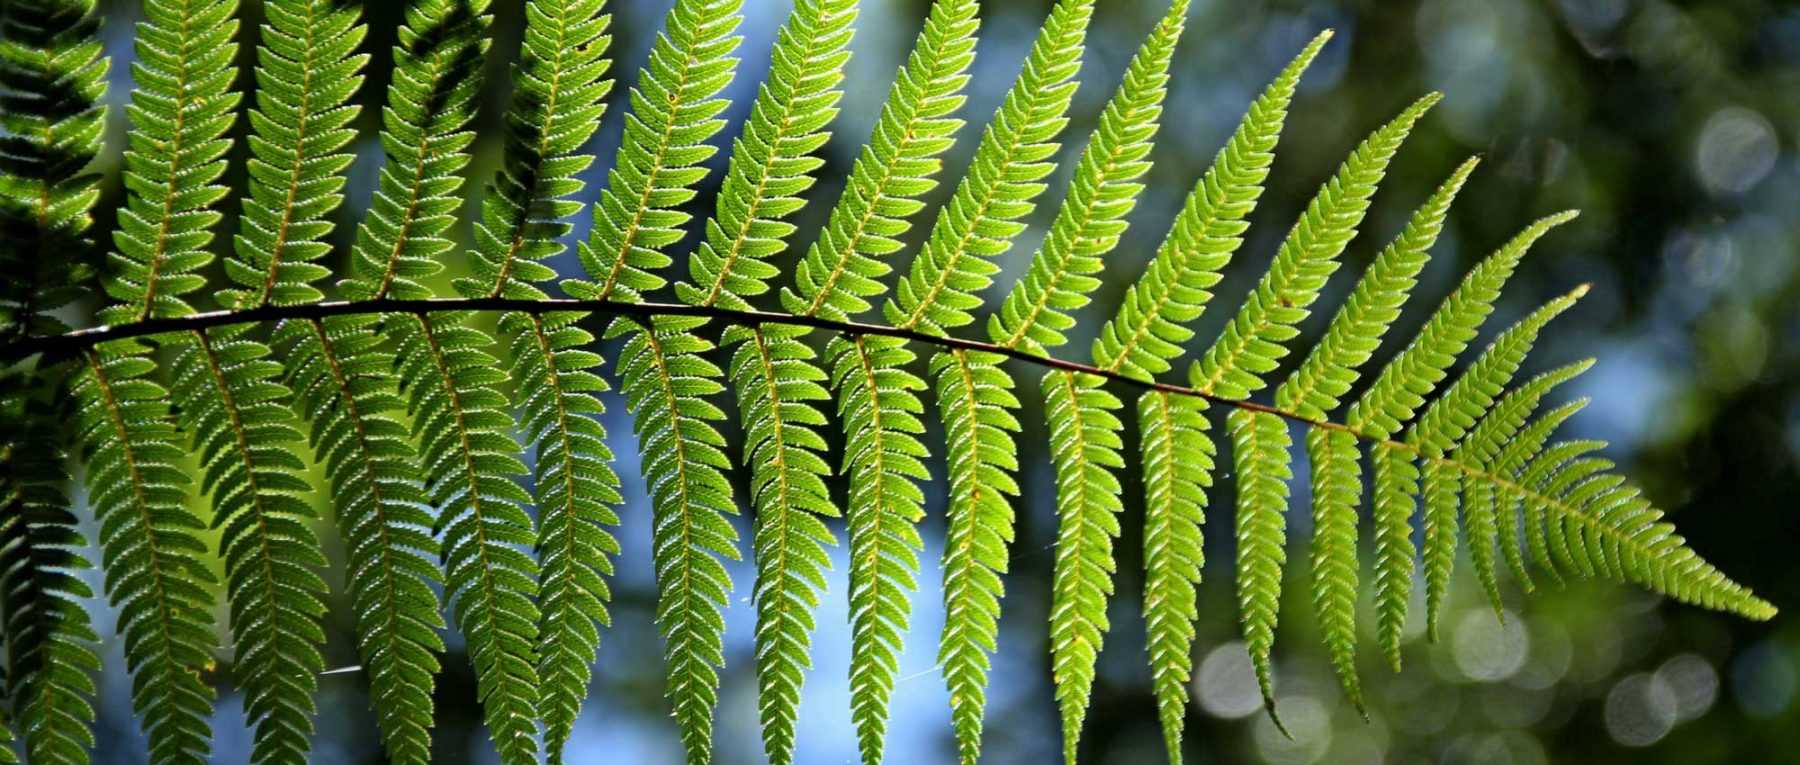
(1487, 649)
(1550, 654)
(1762, 680)
(1226, 685)
(1640, 710)
(1695, 684)
(1736, 148)
(1307, 720)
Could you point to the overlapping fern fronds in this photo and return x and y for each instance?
(557, 105)
(416, 411)
(52, 121)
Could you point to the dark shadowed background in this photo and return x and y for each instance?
(1672, 126)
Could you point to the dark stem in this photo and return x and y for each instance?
(73, 342)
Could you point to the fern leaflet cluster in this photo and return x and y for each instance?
(426, 422)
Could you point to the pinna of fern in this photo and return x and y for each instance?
(425, 421)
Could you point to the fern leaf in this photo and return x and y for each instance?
(1443, 426)
(1148, 330)
(307, 70)
(557, 104)
(1600, 525)
(1404, 383)
(228, 396)
(772, 162)
(1337, 491)
(576, 493)
(403, 240)
(1084, 446)
(1002, 184)
(980, 222)
(151, 548)
(49, 637)
(842, 269)
(460, 420)
(180, 114)
(878, 401)
(1396, 483)
(51, 125)
(1104, 190)
(1260, 453)
(1481, 447)
(1088, 225)
(976, 402)
(1519, 452)
(560, 86)
(1315, 389)
(667, 380)
(675, 107)
(777, 381)
(1178, 465)
(1253, 344)
(342, 380)
(674, 110)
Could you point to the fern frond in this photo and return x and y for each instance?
(1597, 524)
(1336, 492)
(49, 638)
(666, 381)
(1148, 330)
(976, 403)
(558, 101)
(777, 383)
(1085, 447)
(878, 401)
(576, 493)
(404, 237)
(1396, 483)
(674, 111)
(307, 70)
(151, 548)
(1260, 455)
(1178, 451)
(228, 393)
(772, 162)
(460, 421)
(180, 113)
(1401, 387)
(51, 125)
(842, 270)
(1104, 190)
(1519, 452)
(228, 397)
(1315, 389)
(979, 223)
(1392, 399)
(1002, 184)
(1443, 426)
(976, 396)
(557, 104)
(1481, 447)
(1254, 342)
(675, 108)
(344, 384)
